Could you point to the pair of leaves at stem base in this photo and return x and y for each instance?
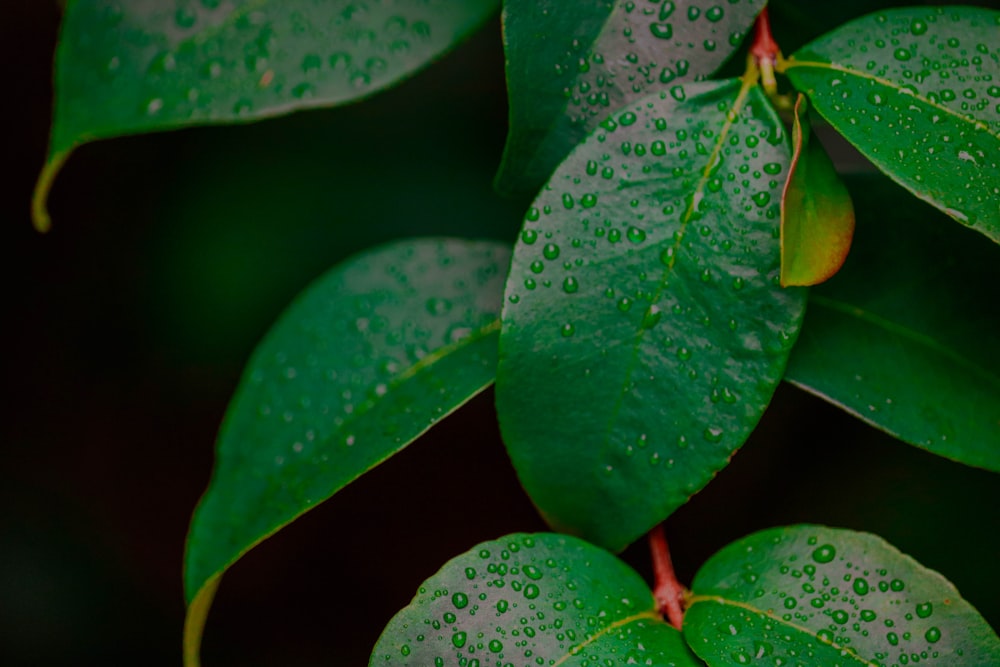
(800, 595)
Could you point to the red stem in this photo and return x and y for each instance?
(764, 47)
(667, 591)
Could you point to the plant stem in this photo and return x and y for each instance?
(765, 52)
(667, 591)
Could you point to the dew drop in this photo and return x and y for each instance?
(925, 609)
(933, 635)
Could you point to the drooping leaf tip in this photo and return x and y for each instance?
(40, 218)
(194, 621)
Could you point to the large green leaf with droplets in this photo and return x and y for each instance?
(532, 600)
(367, 359)
(570, 63)
(917, 91)
(905, 335)
(148, 65)
(644, 330)
(823, 597)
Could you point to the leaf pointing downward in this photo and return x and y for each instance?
(644, 330)
(361, 364)
(817, 219)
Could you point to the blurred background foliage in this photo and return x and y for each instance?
(170, 256)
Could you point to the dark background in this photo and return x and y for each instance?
(171, 254)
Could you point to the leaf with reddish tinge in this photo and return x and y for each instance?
(817, 217)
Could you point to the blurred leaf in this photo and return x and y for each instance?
(817, 219)
(917, 92)
(820, 597)
(367, 359)
(905, 335)
(532, 599)
(569, 64)
(644, 330)
(148, 65)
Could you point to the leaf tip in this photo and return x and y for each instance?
(40, 218)
(194, 620)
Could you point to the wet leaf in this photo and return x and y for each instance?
(365, 360)
(570, 64)
(905, 335)
(148, 65)
(917, 91)
(644, 330)
(817, 218)
(827, 597)
(532, 599)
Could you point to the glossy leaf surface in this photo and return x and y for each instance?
(817, 218)
(532, 599)
(905, 335)
(367, 359)
(917, 91)
(644, 330)
(148, 65)
(571, 63)
(825, 597)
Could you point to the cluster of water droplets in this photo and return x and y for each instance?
(370, 330)
(212, 59)
(523, 600)
(647, 44)
(928, 94)
(820, 600)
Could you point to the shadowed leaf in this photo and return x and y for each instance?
(905, 335)
(150, 65)
(570, 63)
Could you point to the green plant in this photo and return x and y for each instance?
(642, 326)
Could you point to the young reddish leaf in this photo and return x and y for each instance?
(364, 361)
(817, 217)
(813, 596)
(532, 600)
(151, 65)
(917, 91)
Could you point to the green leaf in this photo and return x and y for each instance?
(148, 65)
(905, 335)
(570, 63)
(367, 359)
(532, 599)
(917, 91)
(824, 597)
(644, 330)
(817, 218)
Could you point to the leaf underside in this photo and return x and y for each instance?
(644, 330)
(151, 65)
(571, 63)
(817, 218)
(905, 335)
(365, 360)
(532, 600)
(818, 596)
(917, 91)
